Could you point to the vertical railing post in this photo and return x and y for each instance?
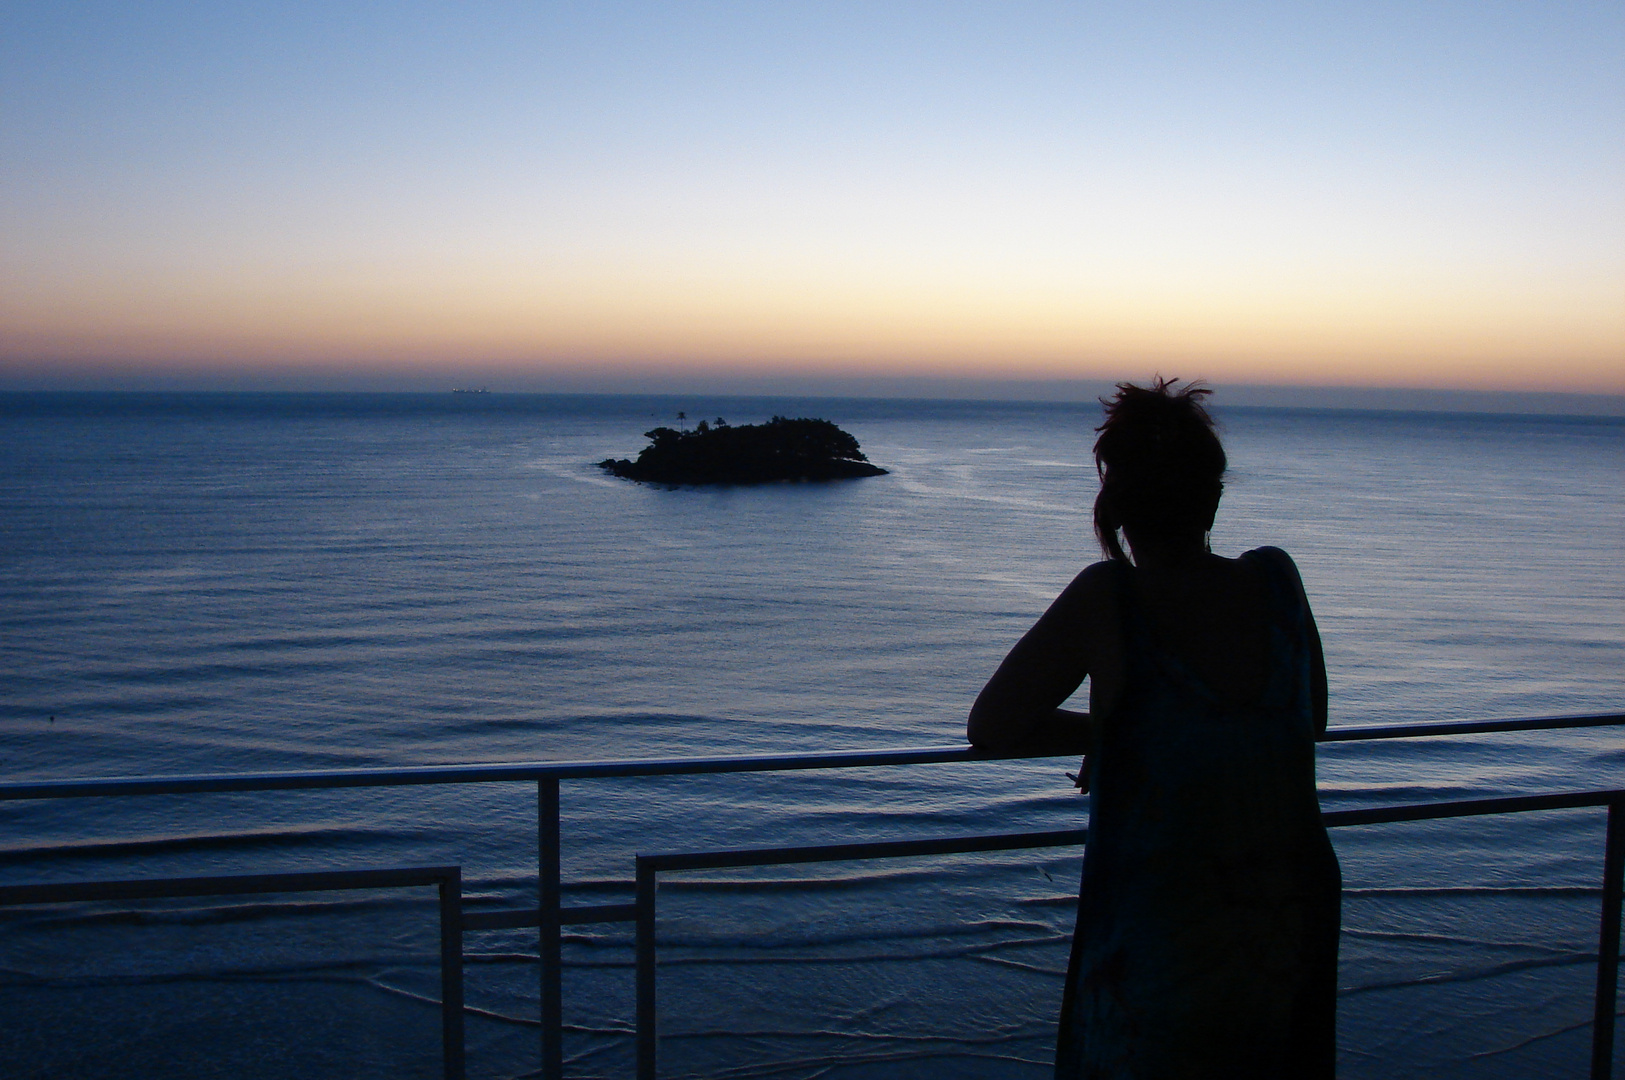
(548, 900)
(647, 1016)
(1613, 883)
(451, 974)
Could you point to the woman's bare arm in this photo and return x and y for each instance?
(1019, 708)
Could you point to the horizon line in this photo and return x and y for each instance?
(923, 388)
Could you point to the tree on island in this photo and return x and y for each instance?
(781, 449)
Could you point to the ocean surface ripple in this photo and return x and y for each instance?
(194, 583)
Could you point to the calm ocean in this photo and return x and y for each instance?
(243, 582)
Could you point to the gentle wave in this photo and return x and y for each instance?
(274, 582)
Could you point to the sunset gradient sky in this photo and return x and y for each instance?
(561, 195)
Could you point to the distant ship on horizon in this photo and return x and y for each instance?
(462, 390)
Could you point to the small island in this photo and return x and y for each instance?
(781, 449)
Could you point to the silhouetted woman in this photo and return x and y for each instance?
(1206, 942)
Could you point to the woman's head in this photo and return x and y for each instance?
(1161, 466)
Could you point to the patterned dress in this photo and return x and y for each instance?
(1206, 943)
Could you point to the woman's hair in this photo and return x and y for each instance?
(1160, 463)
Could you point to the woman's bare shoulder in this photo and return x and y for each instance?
(1090, 611)
(1095, 584)
(1281, 561)
(1270, 553)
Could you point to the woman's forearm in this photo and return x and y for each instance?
(1061, 732)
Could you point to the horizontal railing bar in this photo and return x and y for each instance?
(480, 774)
(234, 885)
(1513, 804)
(566, 770)
(778, 856)
(507, 919)
(598, 913)
(950, 845)
(1469, 727)
(514, 918)
(884, 849)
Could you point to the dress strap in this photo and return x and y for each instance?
(1288, 624)
(1281, 576)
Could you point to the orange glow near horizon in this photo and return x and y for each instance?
(1343, 333)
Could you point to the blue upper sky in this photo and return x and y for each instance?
(1357, 193)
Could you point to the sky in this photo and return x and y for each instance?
(747, 195)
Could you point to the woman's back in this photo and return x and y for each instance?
(1207, 920)
(1209, 612)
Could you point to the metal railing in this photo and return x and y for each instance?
(1602, 1041)
(448, 880)
(551, 915)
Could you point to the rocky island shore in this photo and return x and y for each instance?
(781, 449)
